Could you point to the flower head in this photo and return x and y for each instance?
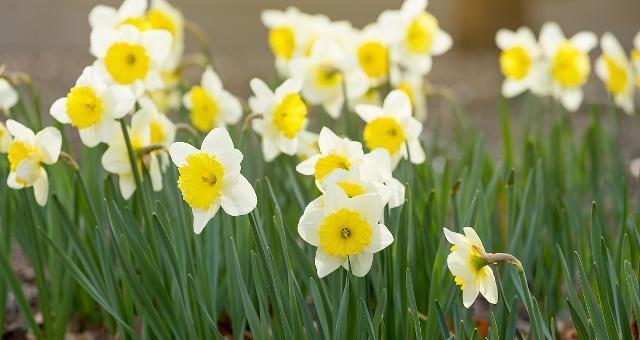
(520, 62)
(471, 270)
(393, 128)
(210, 178)
(616, 71)
(8, 95)
(210, 104)
(284, 116)
(569, 63)
(27, 153)
(346, 231)
(92, 106)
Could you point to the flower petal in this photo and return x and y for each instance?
(309, 224)
(360, 264)
(326, 264)
(239, 199)
(49, 142)
(380, 239)
(179, 152)
(41, 188)
(217, 141)
(202, 217)
(59, 111)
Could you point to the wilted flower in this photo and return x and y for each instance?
(569, 63)
(8, 95)
(210, 104)
(210, 178)
(92, 106)
(27, 153)
(346, 231)
(284, 116)
(520, 62)
(615, 70)
(393, 128)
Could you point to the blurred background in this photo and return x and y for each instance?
(50, 40)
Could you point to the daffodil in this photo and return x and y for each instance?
(335, 153)
(615, 70)
(116, 159)
(327, 76)
(520, 62)
(392, 127)
(8, 95)
(92, 106)
(569, 63)
(27, 153)
(210, 178)
(130, 12)
(308, 145)
(417, 35)
(413, 86)
(162, 131)
(130, 57)
(472, 271)
(284, 116)
(635, 58)
(346, 231)
(210, 105)
(372, 53)
(5, 139)
(164, 16)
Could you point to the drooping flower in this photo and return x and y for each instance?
(327, 75)
(27, 153)
(210, 178)
(393, 128)
(210, 104)
(128, 56)
(471, 270)
(116, 159)
(92, 106)
(615, 70)
(5, 139)
(520, 62)
(569, 63)
(346, 231)
(417, 35)
(284, 116)
(8, 95)
(335, 153)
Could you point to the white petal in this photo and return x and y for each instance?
(505, 38)
(120, 100)
(157, 44)
(102, 16)
(473, 237)
(442, 42)
(571, 99)
(155, 174)
(41, 188)
(513, 87)
(368, 112)
(8, 95)
(414, 6)
(239, 199)
(469, 294)
(585, 41)
(59, 111)
(260, 89)
(217, 141)
(550, 37)
(360, 264)
(335, 199)
(288, 146)
(270, 149)
(49, 142)
(202, 217)
(179, 152)
(326, 264)
(211, 82)
(308, 226)
(369, 205)
(380, 239)
(101, 39)
(116, 160)
(12, 181)
(308, 166)
(28, 170)
(127, 185)
(328, 141)
(416, 152)
(231, 106)
(397, 104)
(20, 132)
(453, 237)
(292, 85)
(487, 285)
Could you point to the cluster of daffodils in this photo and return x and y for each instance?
(341, 65)
(557, 66)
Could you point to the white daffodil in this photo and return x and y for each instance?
(210, 104)
(27, 153)
(569, 63)
(471, 270)
(5, 139)
(413, 86)
(116, 159)
(325, 74)
(335, 153)
(163, 16)
(417, 35)
(210, 178)
(520, 62)
(92, 106)
(635, 58)
(8, 95)
(615, 70)
(307, 145)
(393, 128)
(373, 53)
(346, 231)
(291, 33)
(284, 116)
(131, 57)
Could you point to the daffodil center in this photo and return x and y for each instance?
(352, 189)
(373, 59)
(157, 132)
(420, 33)
(570, 66)
(618, 76)
(384, 132)
(282, 41)
(327, 76)
(126, 62)
(289, 116)
(200, 180)
(204, 109)
(327, 164)
(84, 107)
(19, 151)
(344, 233)
(515, 62)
